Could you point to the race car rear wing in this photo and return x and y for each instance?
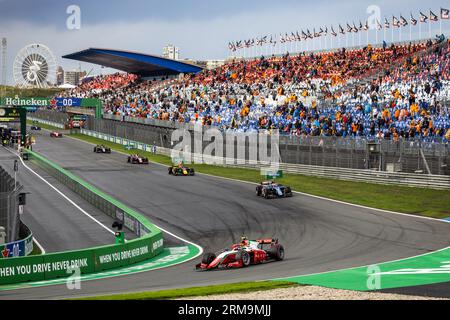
(267, 241)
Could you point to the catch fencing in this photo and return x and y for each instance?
(408, 156)
(9, 206)
(360, 175)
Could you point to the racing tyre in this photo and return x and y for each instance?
(244, 256)
(276, 252)
(208, 258)
(258, 191)
(265, 194)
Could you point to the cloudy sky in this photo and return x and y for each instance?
(201, 28)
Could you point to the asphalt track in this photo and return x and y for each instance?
(56, 223)
(319, 235)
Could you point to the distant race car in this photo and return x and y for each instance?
(102, 149)
(55, 134)
(270, 189)
(181, 170)
(244, 254)
(35, 128)
(137, 159)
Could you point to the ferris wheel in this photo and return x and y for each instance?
(35, 66)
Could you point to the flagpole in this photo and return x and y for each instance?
(420, 29)
(410, 36)
(429, 27)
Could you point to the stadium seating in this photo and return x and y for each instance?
(398, 92)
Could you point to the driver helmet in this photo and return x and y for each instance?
(244, 241)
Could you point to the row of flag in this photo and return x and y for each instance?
(299, 36)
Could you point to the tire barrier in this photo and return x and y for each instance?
(69, 263)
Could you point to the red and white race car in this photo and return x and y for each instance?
(55, 134)
(137, 159)
(243, 254)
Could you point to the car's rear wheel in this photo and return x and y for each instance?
(276, 252)
(258, 191)
(208, 258)
(243, 256)
(265, 194)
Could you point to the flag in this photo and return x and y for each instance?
(316, 34)
(379, 26)
(386, 23)
(355, 29)
(423, 18)
(349, 29)
(333, 33)
(433, 17)
(326, 31)
(282, 40)
(231, 46)
(304, 35)
(297, 36)
(341, 30)
(321, 31)
(403, 21)
(360, 25)
(366, 26)
(444, 13)
(413, 21)
(395, 22)
(274, 42)
(309, 34)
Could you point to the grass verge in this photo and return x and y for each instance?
(43, 125)
(243, 287)
(418, 201)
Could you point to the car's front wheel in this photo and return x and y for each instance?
(208, 258)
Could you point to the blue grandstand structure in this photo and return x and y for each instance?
(144, 65)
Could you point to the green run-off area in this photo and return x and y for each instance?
(425, 269)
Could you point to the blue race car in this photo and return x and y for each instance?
(270, 189)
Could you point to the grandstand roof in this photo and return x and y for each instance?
(132, 62)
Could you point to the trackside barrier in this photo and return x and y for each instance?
(62, 264)
(18, 248)
(370, 176)
(47, 122)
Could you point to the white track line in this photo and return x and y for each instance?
(297, 192)
(63, 195)
(39, 245)
(162, 229)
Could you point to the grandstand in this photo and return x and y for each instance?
(396, 92)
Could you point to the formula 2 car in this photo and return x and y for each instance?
(270, 189)
(244, 254)
(102, 149)
(181, 170)
(37, 128)
(55, 134)
(137, 159)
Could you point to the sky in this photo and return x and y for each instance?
(200, 28)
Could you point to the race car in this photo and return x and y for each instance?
(270, 189)
(137, 159)
(55, 134)
(35, 128)
(102, 149)
(181, 170)
(244, 254)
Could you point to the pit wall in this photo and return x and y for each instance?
(91, 260)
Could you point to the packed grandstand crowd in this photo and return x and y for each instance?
(389, 92)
